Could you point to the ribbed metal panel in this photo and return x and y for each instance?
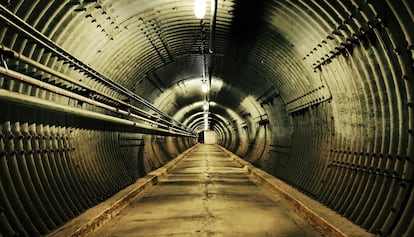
(333, 83)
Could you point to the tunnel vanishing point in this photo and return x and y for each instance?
(95, 94)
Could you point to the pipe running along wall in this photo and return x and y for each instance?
(94, 94)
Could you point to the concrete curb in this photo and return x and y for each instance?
(308, 213)
(109, 213)
(140, 186)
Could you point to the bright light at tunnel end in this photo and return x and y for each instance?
(206, 124)
(200, 8)
(206, 127)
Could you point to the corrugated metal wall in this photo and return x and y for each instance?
(318, 93)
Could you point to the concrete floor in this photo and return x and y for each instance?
(207, 194)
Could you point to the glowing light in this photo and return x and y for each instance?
(204, 87)
(205, 106)
(200, 8)
(206, 123)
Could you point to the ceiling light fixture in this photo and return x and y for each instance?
(206, 127)
(204, 87)
(206, 106)
(200, 8)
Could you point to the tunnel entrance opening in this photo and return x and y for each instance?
(207, 137)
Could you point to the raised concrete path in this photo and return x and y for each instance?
(208, 191)
(207, 194)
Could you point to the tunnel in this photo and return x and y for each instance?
(96, 94)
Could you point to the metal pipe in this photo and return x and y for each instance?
(60, 91)
(45, 42)
(75, 82)
(43, 104)
(212, 50)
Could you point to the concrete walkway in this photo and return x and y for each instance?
(207, 194)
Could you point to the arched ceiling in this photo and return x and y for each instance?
(318, 92)
(263, 49)
(150, 47)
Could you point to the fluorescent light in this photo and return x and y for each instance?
(204, 87)
(205, 106)
(206, 123)
(200, 8)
